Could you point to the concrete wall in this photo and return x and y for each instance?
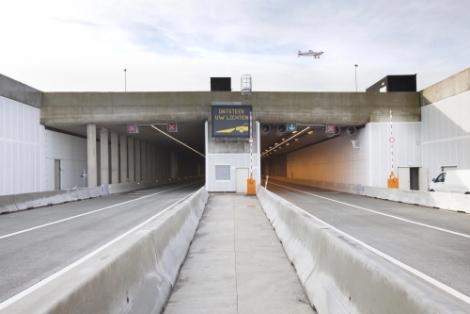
(14, 90)
(446, 133)
(20, 148)
(337, 161)
(234, 154)
(451, 86)
(147, 107)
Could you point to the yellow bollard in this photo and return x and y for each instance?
(392, 181)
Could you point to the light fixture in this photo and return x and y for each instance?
(287, 140)
(296, 139)
(287, 144)
(176, 140)
(310, 132)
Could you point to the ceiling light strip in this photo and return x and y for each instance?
(178, 141)
(289, 139)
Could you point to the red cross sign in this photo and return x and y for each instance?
(132, 128)
(172, 127)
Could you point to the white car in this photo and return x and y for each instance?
(455, 181)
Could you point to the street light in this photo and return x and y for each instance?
(125, 80)
(355, 75)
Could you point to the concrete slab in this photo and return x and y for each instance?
(236, 264)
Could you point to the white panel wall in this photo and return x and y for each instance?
(446, 134)
(19, 147)
(72, 152)
(235, 161)
(337, 161)
(406, 150)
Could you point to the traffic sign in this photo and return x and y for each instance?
(132, 128)
(172, 127)
(332, 129)
(291, 127)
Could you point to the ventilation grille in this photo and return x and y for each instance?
(222, 173)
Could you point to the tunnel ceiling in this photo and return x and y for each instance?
(190, 133)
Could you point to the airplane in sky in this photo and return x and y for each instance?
(310, 53)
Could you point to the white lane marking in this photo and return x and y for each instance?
(410, 269)
(88, 213)
(43, 282)
(380, 213)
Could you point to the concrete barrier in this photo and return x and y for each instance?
(41, 199)
(341, 276)
(134, 274)
(7, 204)
(326, 185)
(15, 202)
(450, 201)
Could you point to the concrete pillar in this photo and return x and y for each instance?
(143, 160)
(104, 156)
(148, 162)
(130, 156)
(123, 158)
(138, 170)
(114, 158)
(91, 155)
(153, 163)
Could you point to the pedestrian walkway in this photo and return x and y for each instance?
(236, 264)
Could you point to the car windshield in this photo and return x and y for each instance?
(441, 177)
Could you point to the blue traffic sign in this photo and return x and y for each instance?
(291, 127)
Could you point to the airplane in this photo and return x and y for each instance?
(310, 53)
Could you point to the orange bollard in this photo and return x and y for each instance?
(251, 185)
(392, 181)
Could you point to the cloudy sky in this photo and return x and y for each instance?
(177, 45)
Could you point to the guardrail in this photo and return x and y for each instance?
(340, 275)
(132, 274)
(450, 201)
(16, 202)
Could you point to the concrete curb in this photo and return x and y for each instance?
(341, 276)
(41, 199)
(134, 274)
(450, 201)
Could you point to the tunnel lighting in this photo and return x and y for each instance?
(287, 144)
(283, 139)
(310, 132)
(293, 132)
(296, 139)
(176, 140)
(287, 140)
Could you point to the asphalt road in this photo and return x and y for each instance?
(35, 244)
(432, 241)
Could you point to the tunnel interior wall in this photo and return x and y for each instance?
(338, 161)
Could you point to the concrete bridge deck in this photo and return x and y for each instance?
(236, 264)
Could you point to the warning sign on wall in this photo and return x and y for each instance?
(231, 121)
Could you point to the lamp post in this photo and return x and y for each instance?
(355, 75)
(125, 80)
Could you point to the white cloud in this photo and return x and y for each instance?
(178, 45)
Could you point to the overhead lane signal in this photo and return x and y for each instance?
(172, 127)
(132, 128)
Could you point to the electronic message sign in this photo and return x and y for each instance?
(231, 121)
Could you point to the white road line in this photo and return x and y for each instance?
(410, 269)
(379, 213)
(43, 282)
(88, 213)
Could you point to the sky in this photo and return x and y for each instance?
(177, 45)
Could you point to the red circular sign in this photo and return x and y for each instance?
(392, 139)
(250, 141)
